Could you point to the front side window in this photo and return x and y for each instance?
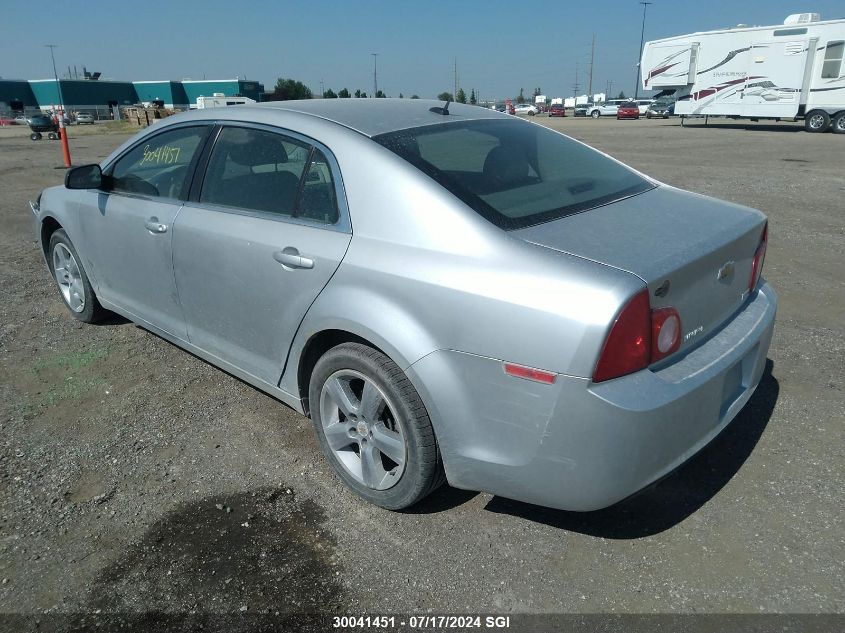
(260, 170)
(832, 65)
(158, 167)
(514, 174)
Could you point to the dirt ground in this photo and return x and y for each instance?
(135, 477)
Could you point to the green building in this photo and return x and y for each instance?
(83, 94)
(171, 93)
(17, 95)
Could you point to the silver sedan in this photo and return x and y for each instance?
(450, 293)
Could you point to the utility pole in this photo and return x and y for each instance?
(322, 90)
(575, 85)
(642, 42)
(455, 94)
(592, 57)
(375, 74)
(609, 89)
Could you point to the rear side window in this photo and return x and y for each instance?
(254, 169)
(260, 170)
(514, 174)
(159, 166)
(832, 65)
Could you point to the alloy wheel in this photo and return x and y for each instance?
(362, 429)
(68, 276)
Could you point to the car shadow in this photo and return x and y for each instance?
(699, 122)
(443, 499)
(675, 497)
(112, 319)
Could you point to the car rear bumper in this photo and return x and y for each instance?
(579, 445)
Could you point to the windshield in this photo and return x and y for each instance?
(514, 174)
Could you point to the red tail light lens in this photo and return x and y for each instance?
(628, 346)
(665, 332)
(759, 256)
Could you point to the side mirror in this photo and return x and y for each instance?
(84, 177)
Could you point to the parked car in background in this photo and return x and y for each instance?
(606, 108)
(659, 109)
(8, 121)
(628, 110)
(84, 118)
(525, 108)
(556, 328)
(643, 104)
(21, 119)
(557, 110)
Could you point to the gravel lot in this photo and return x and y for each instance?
(135, 477)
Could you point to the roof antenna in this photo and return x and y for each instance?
(444, 110)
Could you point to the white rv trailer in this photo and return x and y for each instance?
(789, 71)
(219, 100)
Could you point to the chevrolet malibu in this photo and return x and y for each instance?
(450, 293)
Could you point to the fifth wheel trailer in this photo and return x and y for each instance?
(792, 70)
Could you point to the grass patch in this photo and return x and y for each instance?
(74, 360)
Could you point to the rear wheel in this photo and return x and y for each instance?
(817, 121)
(35, 136)
(74, 286)
(839, 123)
(373, 427)
(595, 114)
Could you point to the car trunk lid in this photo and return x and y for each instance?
(693, 252)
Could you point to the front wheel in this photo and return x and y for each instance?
(373, 427)
(595, 114)
(74, 286)
(839, 123)
(817, 121)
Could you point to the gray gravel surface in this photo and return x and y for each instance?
(135, 477)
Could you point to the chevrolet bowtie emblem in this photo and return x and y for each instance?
(725, 272)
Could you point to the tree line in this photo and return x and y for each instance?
(288, 89)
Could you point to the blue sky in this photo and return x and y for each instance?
(500, 46)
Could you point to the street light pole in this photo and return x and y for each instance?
(56, 75)
(62, 130)
(375, 74)
(642, 42)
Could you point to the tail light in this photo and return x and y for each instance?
(639, 337)
(759, 256)
(665, 332)
(628, 345)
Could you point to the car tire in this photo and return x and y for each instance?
(530, 113)
(838, 123)
(396, 434)
(35, 136)
(595, 114)
(72, 280)
(817, 121)
(52, 136)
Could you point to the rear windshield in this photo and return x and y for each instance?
(513, 173)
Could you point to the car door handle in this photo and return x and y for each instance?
(154, 226)
(291, 258)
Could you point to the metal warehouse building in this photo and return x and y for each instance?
(18, 95)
